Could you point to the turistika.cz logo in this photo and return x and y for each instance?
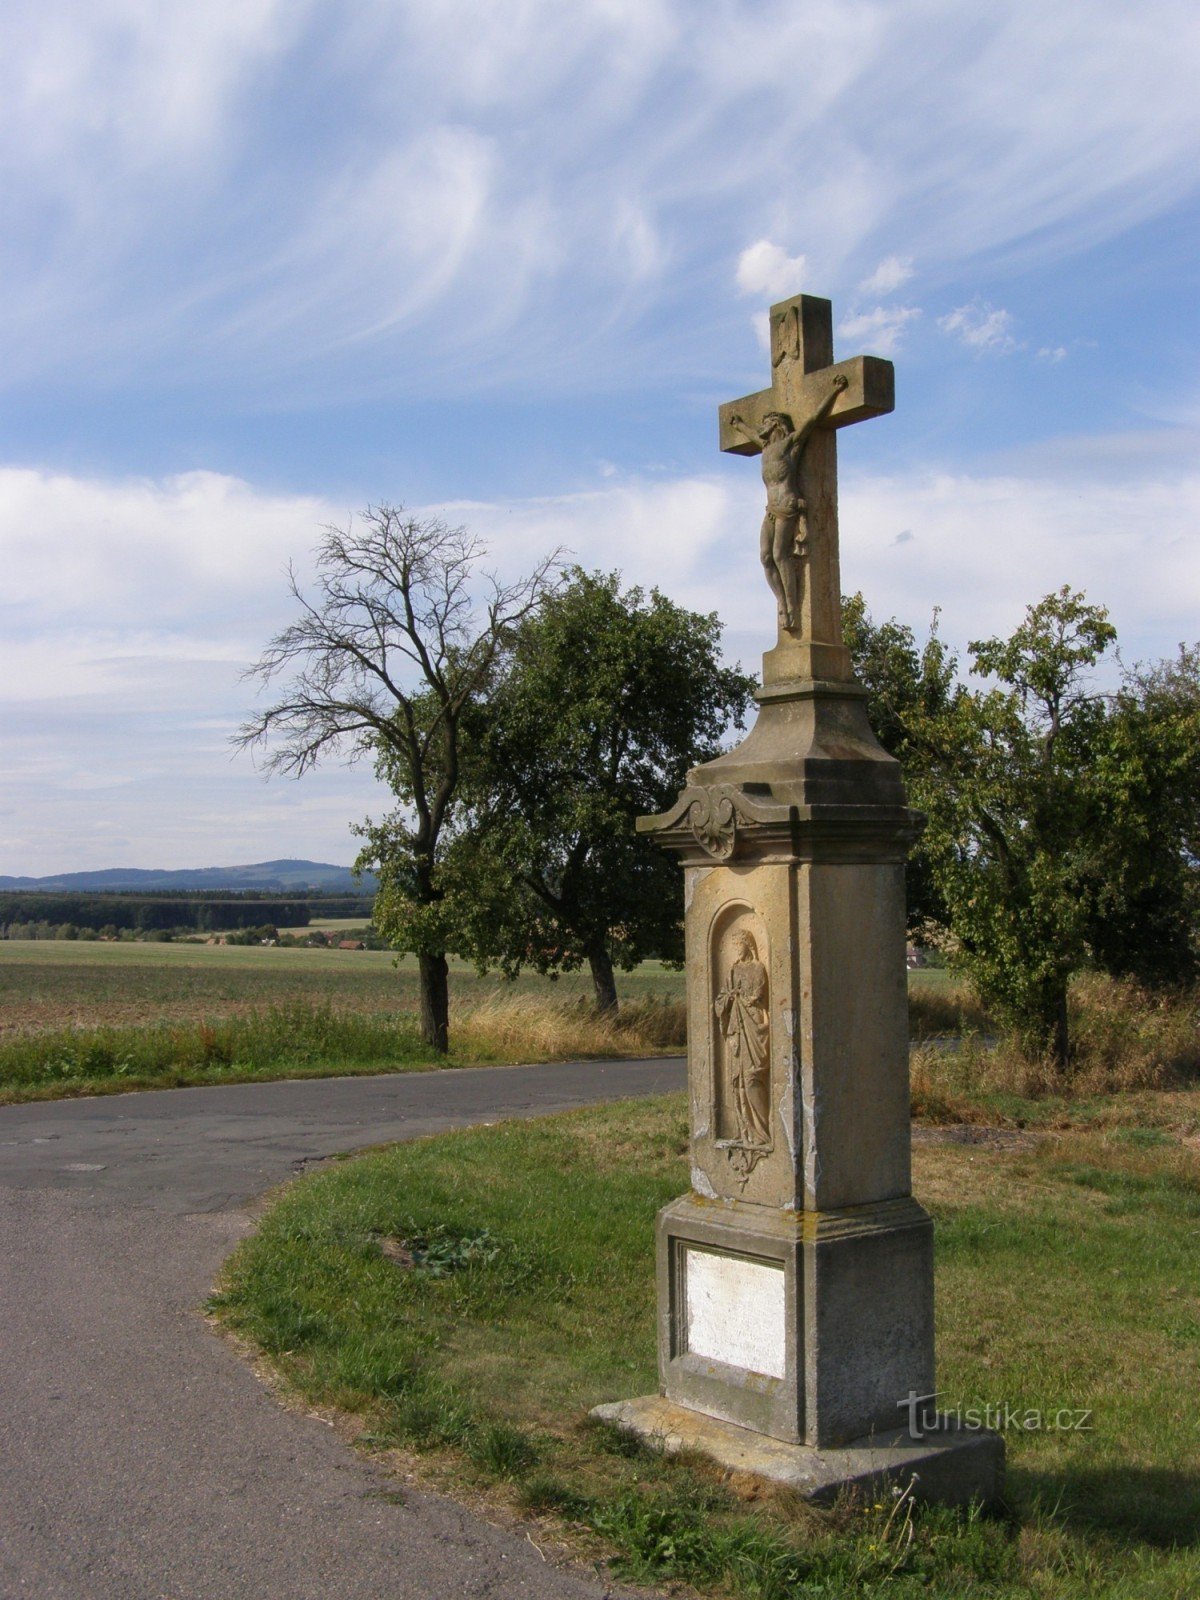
(926, 1417)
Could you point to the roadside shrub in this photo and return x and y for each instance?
(1124, 1038)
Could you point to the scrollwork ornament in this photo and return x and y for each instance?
(712, 817)
(743, 1159)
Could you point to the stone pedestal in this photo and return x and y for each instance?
(795, 1281)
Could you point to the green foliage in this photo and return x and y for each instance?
(441, 1251)
(907, 685)
(72, 914)
(1060, 821)
(606, 700)
(1145, 890)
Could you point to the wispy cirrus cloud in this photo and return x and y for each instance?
(253, 188)
(291, 221)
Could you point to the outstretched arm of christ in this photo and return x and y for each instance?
(738, 426)
(800, 436)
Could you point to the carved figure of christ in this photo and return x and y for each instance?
(792, 424)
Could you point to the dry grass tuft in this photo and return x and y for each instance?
(944, 1008)
(1125, 1037)
(534, 1028)
(1124, 1040)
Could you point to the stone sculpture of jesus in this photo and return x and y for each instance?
(783, 539)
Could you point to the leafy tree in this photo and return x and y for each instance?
(608, 698)
(1016, 796)
(908, 686)
(1146, 892)
(1016, 805)
(388, 660)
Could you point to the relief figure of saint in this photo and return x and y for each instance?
(741, 1009)
(783, 538)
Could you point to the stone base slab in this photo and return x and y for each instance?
(851, 1332)
(953, 1466)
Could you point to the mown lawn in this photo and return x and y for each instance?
(468, 1298)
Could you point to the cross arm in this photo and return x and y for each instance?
(870, 392)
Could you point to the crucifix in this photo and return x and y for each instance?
(792, 425)
(795, 1277)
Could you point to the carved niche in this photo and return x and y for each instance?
(741, 1010)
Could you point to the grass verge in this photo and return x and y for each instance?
(300, 1040)
(466, 1299)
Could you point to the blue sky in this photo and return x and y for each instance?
(265, 262)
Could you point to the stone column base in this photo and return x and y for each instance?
(811, 1327)
(950, 1465)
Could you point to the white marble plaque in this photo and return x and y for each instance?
(734, 1311)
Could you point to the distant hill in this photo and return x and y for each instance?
(289, 877)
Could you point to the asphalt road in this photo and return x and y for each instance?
(141, 1460)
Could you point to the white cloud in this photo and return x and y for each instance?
(980, 327)
(1053, 353)
(230, 188)
(881, 330)
(129, 610)
(131, 606)
(891, 273)
(197, 553)
(765, 268)
(1112, 517)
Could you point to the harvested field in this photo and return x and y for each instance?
(62, 984)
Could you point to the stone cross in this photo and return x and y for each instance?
(792, 424)
(795, 1278)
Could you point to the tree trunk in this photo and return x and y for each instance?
(603, 982)
(434, 974)
(1060, 1039)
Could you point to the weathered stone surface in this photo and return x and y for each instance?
(795, 1282)
(792, 425)
(952, 1467)
(853, 1310)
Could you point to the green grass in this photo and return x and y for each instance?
(94, 1018)
(470, 1297)
(302, 1040)
(280, 1041)
(52, 983)
(44, 981)
(66, 969)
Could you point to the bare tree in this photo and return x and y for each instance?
(401, 638)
